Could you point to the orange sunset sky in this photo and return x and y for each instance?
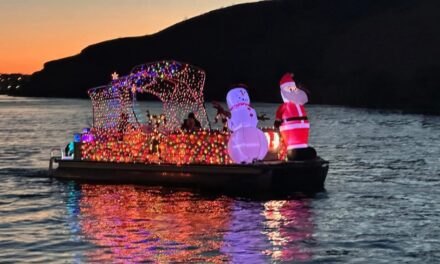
(33, 32)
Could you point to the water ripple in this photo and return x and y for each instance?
(381, 203)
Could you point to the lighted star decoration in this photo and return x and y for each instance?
(115, 76)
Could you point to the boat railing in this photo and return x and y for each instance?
(55, 153)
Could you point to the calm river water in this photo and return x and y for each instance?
(381, 203)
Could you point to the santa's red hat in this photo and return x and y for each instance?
(287, 80)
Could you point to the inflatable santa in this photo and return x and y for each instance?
(247, 143)
(291, 119)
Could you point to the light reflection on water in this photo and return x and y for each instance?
(132, 223)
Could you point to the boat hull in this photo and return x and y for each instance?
(267, 176)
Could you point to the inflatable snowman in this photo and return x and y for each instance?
(247, 143)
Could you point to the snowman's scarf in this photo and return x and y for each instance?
(238, 105)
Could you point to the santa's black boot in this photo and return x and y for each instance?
(301, 154)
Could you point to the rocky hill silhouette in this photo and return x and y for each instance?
(369, 53)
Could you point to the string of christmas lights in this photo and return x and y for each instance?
(178, 85)
(181, 147)
(117, 135)
(198, 147)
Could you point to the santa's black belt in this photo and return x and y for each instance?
(297, 118)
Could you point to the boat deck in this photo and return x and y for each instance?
(296, 175)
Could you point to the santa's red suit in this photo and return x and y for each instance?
(291, 117)
(294, 126)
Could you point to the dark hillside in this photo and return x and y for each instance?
(372, 53)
